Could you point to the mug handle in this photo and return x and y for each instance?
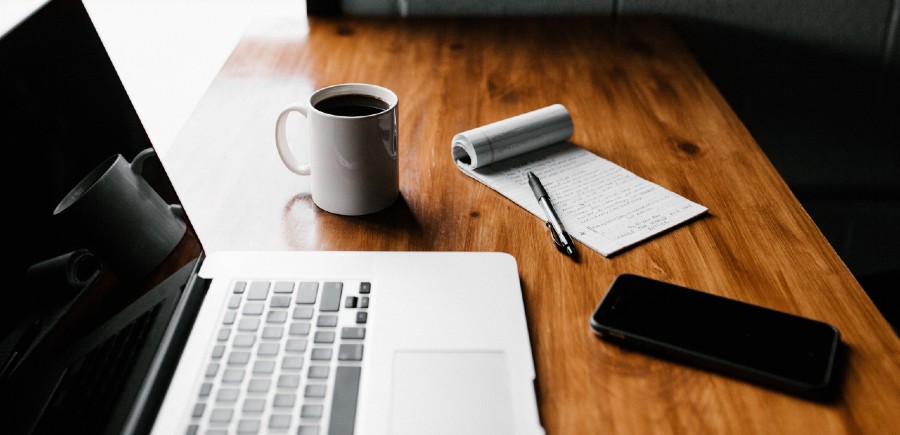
(137, 166)
(281, 142)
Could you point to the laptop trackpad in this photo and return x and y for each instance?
(451, 392)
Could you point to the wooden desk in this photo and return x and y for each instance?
(637, 98)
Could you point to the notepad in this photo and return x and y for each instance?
(601, 204)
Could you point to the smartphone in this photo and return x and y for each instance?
(770, 347)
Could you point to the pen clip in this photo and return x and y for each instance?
(557, 238)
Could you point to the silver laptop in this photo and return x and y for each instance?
(356, 342)
(254, 342)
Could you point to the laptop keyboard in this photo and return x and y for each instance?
(287, 359)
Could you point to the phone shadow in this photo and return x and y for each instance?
(829, 395)
(832, 393)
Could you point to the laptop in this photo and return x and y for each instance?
(228, 342)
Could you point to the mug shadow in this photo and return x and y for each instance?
(307, 227)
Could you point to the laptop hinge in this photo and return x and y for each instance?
(162, 368)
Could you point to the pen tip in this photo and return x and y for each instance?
(570, 250)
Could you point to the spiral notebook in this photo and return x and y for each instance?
(601, 204)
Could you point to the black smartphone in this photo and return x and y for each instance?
(747, 341)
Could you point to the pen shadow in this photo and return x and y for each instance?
(575, 256)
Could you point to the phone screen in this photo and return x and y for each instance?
(723, 333)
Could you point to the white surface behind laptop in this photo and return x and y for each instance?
(167, 52)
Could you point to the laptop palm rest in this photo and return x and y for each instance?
(463, 392)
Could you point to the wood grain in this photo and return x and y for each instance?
(637, 98)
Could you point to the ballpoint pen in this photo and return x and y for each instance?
(557, 232)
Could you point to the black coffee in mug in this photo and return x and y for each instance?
(352, 105)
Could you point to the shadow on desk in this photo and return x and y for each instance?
(302, 218)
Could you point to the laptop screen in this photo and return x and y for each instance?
(63, 112)
(98, 238)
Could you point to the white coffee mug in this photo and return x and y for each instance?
(120, 218)
(352, 145)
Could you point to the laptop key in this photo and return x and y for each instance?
(205, 389)
(284, 287)
(365, 288)
(237, 358)
(198, 410)
(268, 349)
(303, 313)
(234, 302)
(307, 292)
(311, 411)
(248, 324)
(350, 352)
(284, 400)
(227, 395)
(230, 315)
(233, 376)
(257, 385)
(327, 321)
(318, 372)
(288, 381)
(295, 345)
(280, 301)
(292, 363)
(320, 354)
(276, 317)
(362, 317)
(324, 337)
(254, 405)
(314, 390)
(331, 296)
(244, 340)
(218, 351)
(308, 430)
(264, 367)
(239, 287)
(224, 333)
(272, 332)
(248, 426)
(211, 370)
(259, 291)
(299, 328)
(350, 301)
(221, 415)
(353, 333)
(343, 403)
(253, 309)
(277, 421)
(364, 302)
